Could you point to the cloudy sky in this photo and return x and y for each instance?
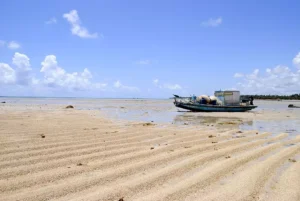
(134, 48)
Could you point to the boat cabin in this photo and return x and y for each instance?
(229, 98)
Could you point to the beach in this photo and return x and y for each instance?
(146, 150)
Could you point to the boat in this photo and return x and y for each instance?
(293, 106)
(196, 107)
(223, 101)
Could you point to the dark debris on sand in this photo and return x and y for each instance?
(292, 160)
(148, 124)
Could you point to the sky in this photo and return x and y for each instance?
(148, 48)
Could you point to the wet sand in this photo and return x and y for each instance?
(95, 152)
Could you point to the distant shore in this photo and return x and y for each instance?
(273, 97)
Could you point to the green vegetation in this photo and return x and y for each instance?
(273, 97)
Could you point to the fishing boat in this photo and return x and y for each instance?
(222, 101)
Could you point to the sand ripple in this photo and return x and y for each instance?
(86, 157)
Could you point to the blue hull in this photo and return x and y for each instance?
(213, 108)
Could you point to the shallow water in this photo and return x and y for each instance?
(181, 117)
(291, 127)
(163, 111)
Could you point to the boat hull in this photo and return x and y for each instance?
(213, 108)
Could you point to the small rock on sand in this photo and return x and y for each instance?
(228, 123)
(79, 164)
(239, 132)
(69, 107)
(148, 124)
(292, 160)
(43, 136)
(121, 199)
(3, 102)
(152, 148)
(211, 136)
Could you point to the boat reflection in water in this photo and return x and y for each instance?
(194, 119)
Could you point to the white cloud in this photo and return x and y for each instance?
(172, 86)
(119, 85)
(23, 71)
(100, 85)
(238, 75)
(144, 62)
(51, 21)
(76, 28)
(2, 43)
(21, 75)
(55, 76)
(278, 80)
(166, 85)
(7, 74)
(253, 75)
(296, 60)
(13, 45)
(155, 81)
(212, 22)
(21, 61)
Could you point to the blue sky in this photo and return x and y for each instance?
(148, 48)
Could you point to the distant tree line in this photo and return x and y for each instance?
(273, 97)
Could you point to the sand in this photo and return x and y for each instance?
(49, 152)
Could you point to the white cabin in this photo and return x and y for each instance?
(228, 97)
